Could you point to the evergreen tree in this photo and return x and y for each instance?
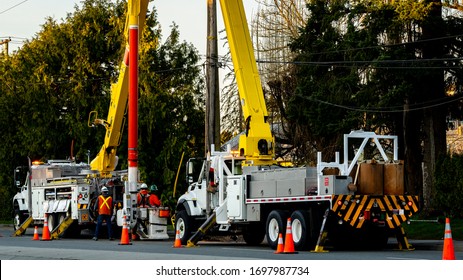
(50, 85)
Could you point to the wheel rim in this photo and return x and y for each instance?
(51, 223)
(181, 227)
(273, 230)
(17, 221)
(61, 218)
(296, 230)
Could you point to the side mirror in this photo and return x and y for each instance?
(17, 177)
(190, 168)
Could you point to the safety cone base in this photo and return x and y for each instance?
(177, 244)
(45, 239)
(126, 243)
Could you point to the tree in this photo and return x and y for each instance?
(326, 83)
(377, 65)
(171, 92)
(276, 24)
(49, 86)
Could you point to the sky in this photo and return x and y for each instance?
(22, 19)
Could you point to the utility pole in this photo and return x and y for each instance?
(212, 79)
(5, 49)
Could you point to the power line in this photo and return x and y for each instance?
(390, 45)
(377, 64)
(383, 110)
(13, 37)
(14, 6)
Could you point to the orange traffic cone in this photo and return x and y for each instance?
(125, 233)
(280, 247)
(448, 253)
(45, 230)
(178, 242)
(289, 242)
(134, 236)
(36, 234)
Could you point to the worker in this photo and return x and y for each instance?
(143, 196)
(104, 207)
(153, 199)
(142, 202)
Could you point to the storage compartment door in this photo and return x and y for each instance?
(235, 197)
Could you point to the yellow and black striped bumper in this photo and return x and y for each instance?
(390, 210)
(82, 206)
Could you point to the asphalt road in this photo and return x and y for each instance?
(24, 248)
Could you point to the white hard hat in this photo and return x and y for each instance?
(104, 189)
(144, 186)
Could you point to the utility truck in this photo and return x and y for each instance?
(248, 193)
(62, 193)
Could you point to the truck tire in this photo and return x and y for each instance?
(18, 220)
(52, 222)
(73, 231)
(61, 218)
(274, 226)
(183, 224)
(302, 230)
(254, 234)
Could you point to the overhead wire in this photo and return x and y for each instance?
(391, 45)
(12, 7)
(413, 107)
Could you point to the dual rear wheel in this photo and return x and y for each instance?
(303, 228)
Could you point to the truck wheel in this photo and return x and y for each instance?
(274, 226)
(300, 229)
(18, 220)
(183, 224)
(72, 231)
(52, 222)
(254, 233)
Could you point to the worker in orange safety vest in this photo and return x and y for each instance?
(153, 199)
(143, 196)
(104, 207)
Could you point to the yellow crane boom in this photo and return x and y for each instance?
(105, 161)
(257, 145)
